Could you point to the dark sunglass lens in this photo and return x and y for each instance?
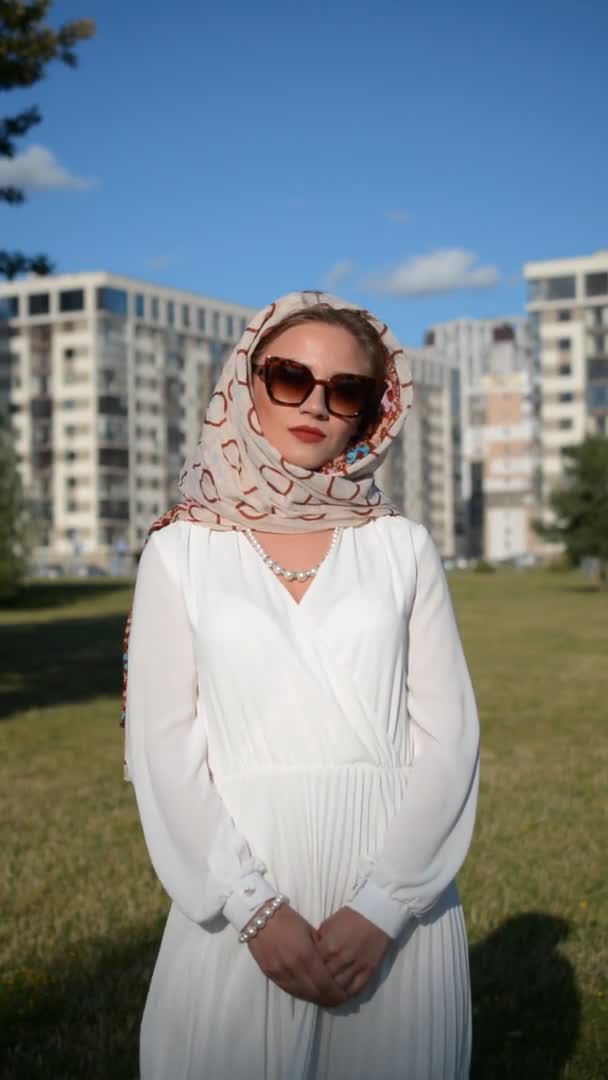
(349, 397)
(289, 383)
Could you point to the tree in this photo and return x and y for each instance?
(580, 505)
(27, 46)
(12, 513)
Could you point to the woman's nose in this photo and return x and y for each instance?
(315, 404)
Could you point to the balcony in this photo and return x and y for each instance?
(41, 408)
(42, 459)
(113, 457)
(112, 405)
(114, 509)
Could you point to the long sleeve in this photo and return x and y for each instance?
(203, 862)
(428, 839)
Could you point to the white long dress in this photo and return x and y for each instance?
(327, 749)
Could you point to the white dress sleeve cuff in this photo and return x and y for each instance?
(376, 905)
(252, 891)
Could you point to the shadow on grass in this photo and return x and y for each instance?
(60, 662)
(85, 1022)
(526, 1006)
(82, 1023)
(591, 588)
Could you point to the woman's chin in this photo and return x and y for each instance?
(307, 457)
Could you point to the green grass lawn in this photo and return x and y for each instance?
(83, 912)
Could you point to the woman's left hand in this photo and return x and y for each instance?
(352, 948)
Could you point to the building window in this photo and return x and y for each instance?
(564, 343)
(596, 284)
(229, 326)
(38, 304)
(112, 405)
(503, 333)
(113, 300)
(215, 322)
(564, 316)
(593, 316)
(567, 395)
(139, 306)
(113, 457)
(154, 308)
(71, 300)
(170, 312)
(565, 369)
(554, 288)
(566, 422)
(597, 395)
(9, 307)
(185, 315)
(113, 508)
(200, 319)
(597, 367)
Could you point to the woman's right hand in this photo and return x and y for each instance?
(285, 950)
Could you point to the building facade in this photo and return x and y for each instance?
(107, 380)
(502, 451)
(417, 474)
(472, 350)
(568, 306)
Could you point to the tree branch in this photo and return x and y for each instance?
(28, 43)
(14, 263)
(14, 127)
(12, 195)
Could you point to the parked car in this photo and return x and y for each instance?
(48, 570)
(91, 570)
(526, 559)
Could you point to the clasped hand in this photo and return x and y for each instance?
(328, 965)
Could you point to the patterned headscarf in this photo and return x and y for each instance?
(236, 479)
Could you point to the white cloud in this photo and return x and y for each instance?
(400, 217)
(441, 271)
(338, 272)
(38, 170)
(161, 262)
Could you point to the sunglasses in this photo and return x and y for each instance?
(288, 382)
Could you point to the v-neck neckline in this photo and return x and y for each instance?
(327, 560)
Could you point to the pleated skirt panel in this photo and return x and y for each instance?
(211, 1014)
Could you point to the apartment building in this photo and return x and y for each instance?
(107, 380)
(418, 473)
(502, 451)
(472, 350)
(568, 306)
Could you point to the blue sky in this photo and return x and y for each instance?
(409, 156)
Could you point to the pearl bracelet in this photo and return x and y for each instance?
(260, 920)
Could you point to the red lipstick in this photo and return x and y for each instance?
(307, 434)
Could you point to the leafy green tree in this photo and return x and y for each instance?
(580, 505)
(12, 513)
(28, 44)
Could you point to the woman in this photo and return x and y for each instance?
(301, 730)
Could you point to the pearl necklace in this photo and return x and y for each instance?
(280, 571)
